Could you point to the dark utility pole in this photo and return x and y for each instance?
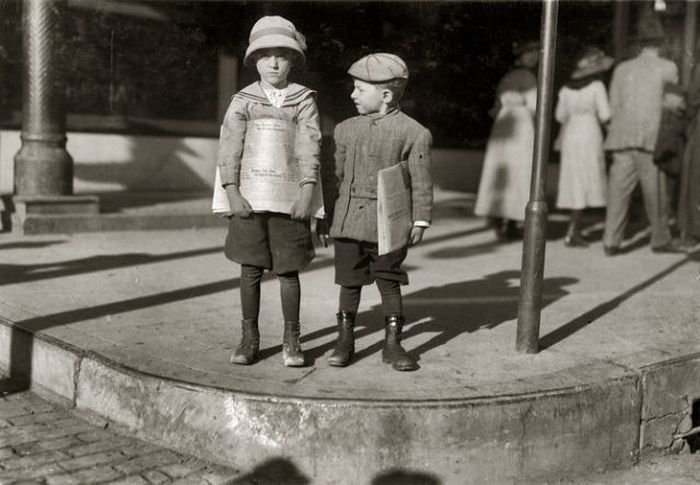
(536, 212)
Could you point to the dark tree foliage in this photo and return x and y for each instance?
(166, 67)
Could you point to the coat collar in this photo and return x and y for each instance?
(389, 114)
(295, 94)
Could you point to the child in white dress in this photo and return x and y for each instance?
(581, 108)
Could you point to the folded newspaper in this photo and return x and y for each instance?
(270, 172)
(394, 213)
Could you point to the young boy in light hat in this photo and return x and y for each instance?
(381, 136)
(259, 240)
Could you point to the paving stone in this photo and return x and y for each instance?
(92, 475)
(16, 435)
(134, 480)
(179, 470)
(33, 461)
(81, 448)
(37, 418)
(139, 448)
(46, 445)
(10, 410)
(95, 435)
(152, 460)
(155, 477)
(47, 470)
(6, 453)
(111, 457)
(57, 432)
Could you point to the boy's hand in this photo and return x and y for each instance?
(322, 231)
(416, 235)
(240, 207)
(301, 210)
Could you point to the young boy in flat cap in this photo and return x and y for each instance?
(381, 136)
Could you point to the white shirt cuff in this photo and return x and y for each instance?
(421, 224)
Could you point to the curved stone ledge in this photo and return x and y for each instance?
(492, 439)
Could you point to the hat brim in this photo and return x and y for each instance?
(519, 50)
(601, 66)
(271, 42)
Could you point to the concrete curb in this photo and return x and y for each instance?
(534, 437)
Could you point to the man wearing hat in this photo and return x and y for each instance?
(380, 137)
(636, 102)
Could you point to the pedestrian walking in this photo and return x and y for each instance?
(689, 201)
(259, 240)
(380, 137)
(581, 107)
(636, 100)
(505, 178)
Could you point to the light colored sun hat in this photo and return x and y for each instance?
(379, 67)
(592, 62)
(521, 47)
(274, 31)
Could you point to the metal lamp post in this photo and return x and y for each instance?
(43, 167)
(536, 212)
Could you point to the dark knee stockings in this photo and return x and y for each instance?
(290, 293)
(390, 291)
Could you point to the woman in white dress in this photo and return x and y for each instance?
(505, 177)
(581, 108)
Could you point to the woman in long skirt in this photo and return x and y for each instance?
(505, 177)
(581, 108)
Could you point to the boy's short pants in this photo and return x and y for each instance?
(357, 263)
(271, 241)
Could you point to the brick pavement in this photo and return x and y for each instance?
(43, 443)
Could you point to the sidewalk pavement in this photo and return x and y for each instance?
(165, 303)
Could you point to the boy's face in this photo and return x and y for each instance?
(368, 98)
(274, 65)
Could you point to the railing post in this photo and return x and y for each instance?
(530, 306)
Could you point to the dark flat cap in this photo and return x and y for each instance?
(379, 67)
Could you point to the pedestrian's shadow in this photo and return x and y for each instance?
(272, 472)
(450, 310)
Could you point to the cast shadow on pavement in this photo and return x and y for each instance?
(30, 244)
(396, 476)
(448, 311)
(21, 340)
(24, 273)
(273, 472)
(276, 471)
(582, 321)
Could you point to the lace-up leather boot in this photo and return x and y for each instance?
(250, 343)
(292, 355)
(393, 353)
(345, 345)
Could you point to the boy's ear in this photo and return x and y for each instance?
(387, 96)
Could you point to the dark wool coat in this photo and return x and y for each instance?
(364, 145)
(251, 103)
